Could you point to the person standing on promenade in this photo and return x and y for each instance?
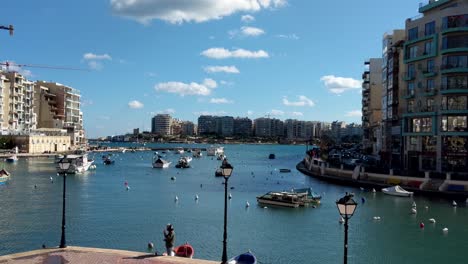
(169, 238)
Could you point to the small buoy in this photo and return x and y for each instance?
(413, 210)
(427, 207)
(230, 196)
(51, 179)
(376, 217)
(445, 230)
(176, 198)
(232, 188)
(363, 200)
(150, 245)
(201, 185)
(128, 187)
(414, 205)
(432, 220)
(247, 204)
(35, 186)
(454, 203)
(196, 196)
(126, 183)
(341, 220)
(173, 178)
(264, 207)
(421, 225)
(373, 190)
(362, 189)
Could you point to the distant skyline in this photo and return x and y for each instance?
(283, 58)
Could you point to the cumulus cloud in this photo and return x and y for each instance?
(247, 18)
(135, 104)
(303, 101)
(297, 114)
(354, 113)
(290, 36)
(192, 88)
(95, 65)
(178, 12)
(252, 31)
(275, 112)
(222, 53)
(220, 101)
(92, 56)
(225, 69)
(338, 85)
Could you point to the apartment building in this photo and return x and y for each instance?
(243, 126)
(207, 125)
(435, 126)
(268, 127)
(161, 124)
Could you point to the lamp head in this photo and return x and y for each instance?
(64, 164)
(226, 169)
(346, 206)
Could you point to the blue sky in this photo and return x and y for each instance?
(298, 59)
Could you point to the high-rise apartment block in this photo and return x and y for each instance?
(372, 105)
(161, 124)
(435, 128)
(242, 126)
(268, 127)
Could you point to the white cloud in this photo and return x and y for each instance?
(275, 112)
(338, 85)
(303, 101)
(252, 31)
(165, 111)
(178, 12)
(220, 101)
(290, 36)
(213, 113)
(183, 89)
(297, 114)
(227, 83)
(135, 104)
(250, 112)
(247, 18)
(222, 53)
(354, 113)
(92, 56)
(225, 69)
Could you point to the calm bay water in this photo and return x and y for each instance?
(101, 213)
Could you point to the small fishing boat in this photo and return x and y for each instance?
(4, 175)
(397, 191)
(13, 158)
(244, 258)
(109, 161)
(185, 251)
(197, 154)
(183, 163)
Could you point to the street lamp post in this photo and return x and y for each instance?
(64, 165)
(346, 207)
(226, 170)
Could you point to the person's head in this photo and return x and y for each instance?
(169, 227)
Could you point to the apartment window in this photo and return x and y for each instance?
(453, 42)
(413, 33)
(456, 61)
(429, 105)
(428, 47)
(430, 66)
(390, 97)
(421, 125)
(411, 106)
(455, 21)
(429, 143)
(429, 28)
(413, 52)
(455, 82)
(454, 123)
(430, 85)
(454, 103)
(411, 88)
(411, 71)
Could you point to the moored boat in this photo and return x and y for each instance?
(179, 150)
(186, 251)
(108, 161)
(183, 163)
(397, 191)
(244, 258)
(13, 158)
(79, 163)
(197, 153)
(214, 151)
(158, 162)
(4, 175)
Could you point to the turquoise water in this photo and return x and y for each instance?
(101, 213)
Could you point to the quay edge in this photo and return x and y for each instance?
(344, 177)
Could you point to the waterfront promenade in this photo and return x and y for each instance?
(93, 255)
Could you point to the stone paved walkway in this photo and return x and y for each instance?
(93, 255)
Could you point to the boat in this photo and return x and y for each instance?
(183, 163)
(272, 156)
(108, 161)
(13, 158)
(218, 173)
(284, 170)
(197, 154)
(310, 194)
(188, 158)
(286, 199)
(179, 150)
(221, 157)
(58, 158)
(244, 258)
(214, 151)
(185, 251)
(397, 191)
(4, 175)
(158, 162)
(79, 163)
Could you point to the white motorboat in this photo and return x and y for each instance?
(158, 162)
(79, 163)
(214, 151)
(187, 158)
(179, 150)
(197, 154)
(397, 191)
(13, 158)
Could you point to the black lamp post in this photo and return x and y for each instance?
(346, 207)
(64, 165)
(226, 170)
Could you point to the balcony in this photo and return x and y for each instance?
(454, 68)
(454, 89)
(430, 72)
(431, 4)
(409, 76)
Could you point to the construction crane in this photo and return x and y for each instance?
(9, 28)
(8, 64)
